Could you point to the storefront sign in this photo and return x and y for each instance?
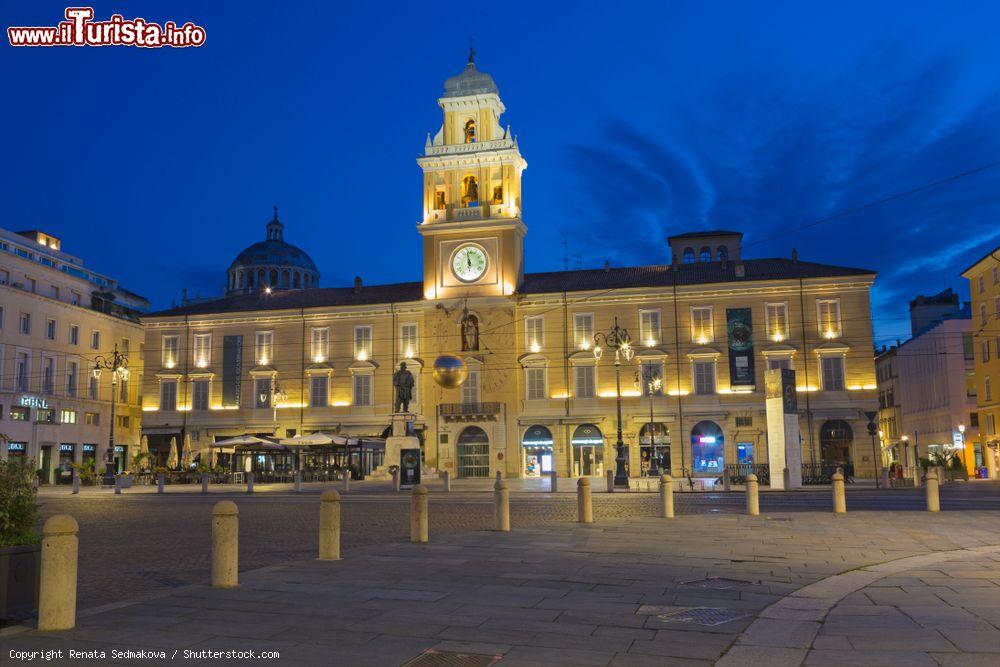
(34, 402)
(409, 467)
(16, 446)
(958, 440)
(66, 448)
(739, 325)
(88, 448)
(119, 449)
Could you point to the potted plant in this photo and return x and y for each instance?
(20, 545)
(85, 471)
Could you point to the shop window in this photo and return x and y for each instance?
(707, 448)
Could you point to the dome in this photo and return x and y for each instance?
(272, 263)
(274, 253)
(470, 82)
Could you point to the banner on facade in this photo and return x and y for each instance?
(232, 366)
(739, 325)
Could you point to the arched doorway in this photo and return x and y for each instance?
(654, 448)
(588, 451)
(536, 451)
(473, 453)
(835, 440)
(708, 448)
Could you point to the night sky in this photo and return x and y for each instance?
(638, 120)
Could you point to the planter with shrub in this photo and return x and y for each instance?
(20, 545)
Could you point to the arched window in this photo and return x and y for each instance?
(536, 446)
(706, 254)
(722, 254)
(470, 131)
(470, 191)
(297, 280)
(285, 279)
(274, 278)
(689, 255)
(243, 280)
(707, 448)
(260, 277)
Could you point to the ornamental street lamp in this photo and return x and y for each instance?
(117, 363)
(617, 339)
(273, 396)
(653, 385)
(873, 432)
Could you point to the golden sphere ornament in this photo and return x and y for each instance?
(450, 371)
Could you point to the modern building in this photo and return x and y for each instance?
(984, 285)
(270, 359)
(57, 318)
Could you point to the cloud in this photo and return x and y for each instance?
(765, 156)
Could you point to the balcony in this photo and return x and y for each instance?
(467, 412)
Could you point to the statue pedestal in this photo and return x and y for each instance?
(400, 438)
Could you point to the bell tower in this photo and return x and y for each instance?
(472, 227)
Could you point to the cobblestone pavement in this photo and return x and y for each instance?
(140, 543)
(781, 588)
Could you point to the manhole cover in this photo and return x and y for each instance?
(716, 583)
(432, 658)
(707, 616)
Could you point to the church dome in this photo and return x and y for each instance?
(272, 263)
(470, 82)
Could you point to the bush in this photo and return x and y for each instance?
(86, 472)
(18, 506)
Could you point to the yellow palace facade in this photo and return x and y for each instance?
(279, 356)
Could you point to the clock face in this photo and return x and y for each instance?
(469, 263)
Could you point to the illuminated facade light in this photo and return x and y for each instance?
(535, 348)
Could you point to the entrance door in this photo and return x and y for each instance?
(46, 464)
(835, 439)
(588, 451)
(473, 453)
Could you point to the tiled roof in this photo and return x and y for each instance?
(707, 232)
(534, 283)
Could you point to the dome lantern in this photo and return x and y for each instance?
(271, 263)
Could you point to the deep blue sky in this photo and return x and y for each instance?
(637, 121)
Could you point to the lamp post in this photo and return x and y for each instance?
(275, 394)
(652, 386)
(873, 432)
(617, 339)
(117, 363)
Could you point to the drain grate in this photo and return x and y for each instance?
(716, 583)
(707, 616)
(432, 658)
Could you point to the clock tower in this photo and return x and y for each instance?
(472, 227)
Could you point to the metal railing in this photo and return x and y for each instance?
(738, 472)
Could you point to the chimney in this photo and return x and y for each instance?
(357, 284)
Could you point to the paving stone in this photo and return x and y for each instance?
(762, 656)
(974, 641)
(868, 658)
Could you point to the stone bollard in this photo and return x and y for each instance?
(499, 475)
(118, 485)
(346, 478)
(57, 590)
(753, 496)
(786, 478)
(501, 507)
(76, 482)
(667, 496)
(991, 462)
(885, 477)
(839, 500)
(225, 544)
(395, 480)
(933, 499)
(250, 477)
(447, 481)
(418, 514)
(298, 481)
(204, 482)
(726, 482)
(160, 481)
(329, 526)
(610, 476)
(553, 482)
(584, 502)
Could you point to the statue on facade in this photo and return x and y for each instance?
(470, 332)
(402, 383)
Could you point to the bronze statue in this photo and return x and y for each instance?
(402, 382)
